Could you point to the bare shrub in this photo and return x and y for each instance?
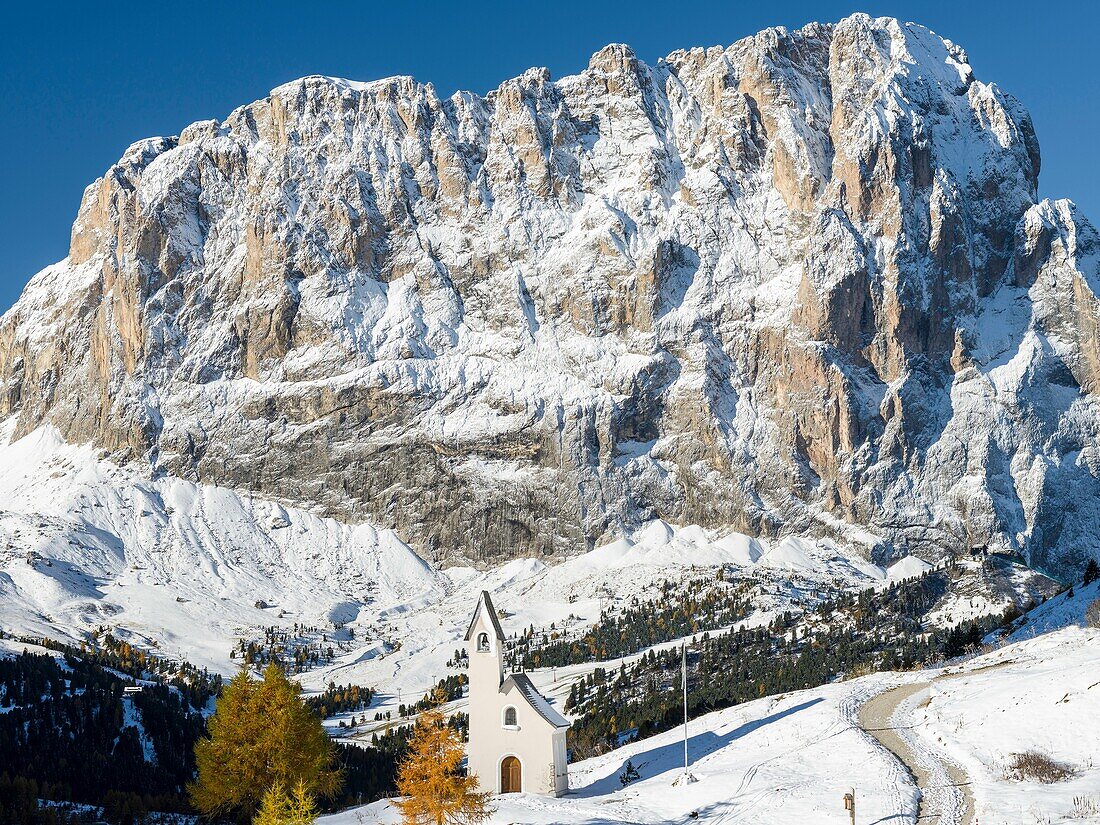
(1092, 614)
(1084, 807)
(1037, 765)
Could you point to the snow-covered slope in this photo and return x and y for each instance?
(1043, 695)
(909, 567)
(782, 760)
(1067, 608)
(181, 567)
(84, 543)
(789, 759)
(797, 286)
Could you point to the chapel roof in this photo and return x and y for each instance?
(537, 701)
(485, 601)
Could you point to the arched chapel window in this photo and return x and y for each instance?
(510, 717)
(483, 642)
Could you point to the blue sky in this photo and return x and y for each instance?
(79, 83)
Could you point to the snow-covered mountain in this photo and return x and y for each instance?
(801, 285)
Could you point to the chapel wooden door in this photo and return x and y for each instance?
(510, 775)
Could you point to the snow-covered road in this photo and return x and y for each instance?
(945, 797)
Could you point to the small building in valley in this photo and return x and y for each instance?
(517, 739)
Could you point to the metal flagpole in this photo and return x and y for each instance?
(686, 778)
(685, 664)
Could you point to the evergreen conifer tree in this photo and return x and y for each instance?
(1092, 572)
(629, 774)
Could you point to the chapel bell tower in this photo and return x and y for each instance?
(485, 647)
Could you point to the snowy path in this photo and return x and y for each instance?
(945, 797)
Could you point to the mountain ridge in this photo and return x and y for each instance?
(801, 284)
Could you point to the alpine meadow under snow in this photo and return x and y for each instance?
(768, 352)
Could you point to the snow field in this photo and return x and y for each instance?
(788, 760)
(1039, 694)
(785, 759)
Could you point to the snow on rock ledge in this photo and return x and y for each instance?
(800, 285)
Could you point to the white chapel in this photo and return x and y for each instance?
(517, 740)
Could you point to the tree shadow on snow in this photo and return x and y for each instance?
(669, 757)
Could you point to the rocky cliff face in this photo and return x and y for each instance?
(800, 284)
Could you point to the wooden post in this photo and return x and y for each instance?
(850, 805)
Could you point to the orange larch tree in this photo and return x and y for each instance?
(434, 790)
